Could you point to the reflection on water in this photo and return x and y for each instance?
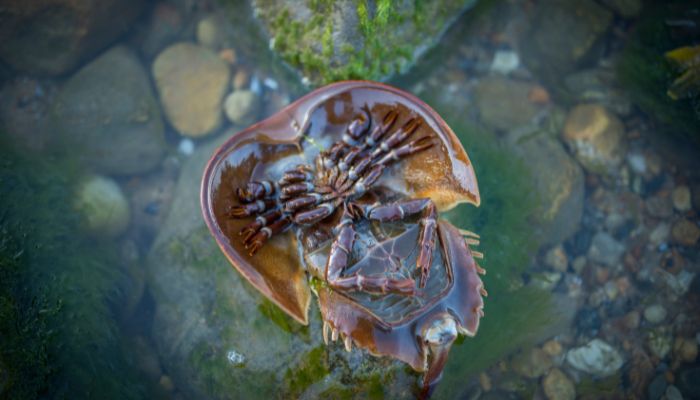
(112, 287)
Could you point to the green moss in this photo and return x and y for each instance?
(647, 75)
(311, 369)
(59, 334)
(385, 44)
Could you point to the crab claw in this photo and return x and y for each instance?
(436, 339)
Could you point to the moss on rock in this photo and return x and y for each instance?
(328, 41)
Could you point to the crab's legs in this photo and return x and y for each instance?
(339, 258)
(400, 210)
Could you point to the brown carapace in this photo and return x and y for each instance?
(344, 186)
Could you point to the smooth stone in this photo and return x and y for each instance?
(689, 382)
(210, 32)
(558, 386)
(606, 250)
(597, 358)
(672, 393)
(681, 198)
(685, 232)
(660, 206)
(686, 349)
(164, 26)
(53, 37)
(191, 81)
(556, 258)
(107, 115)
(659, 341)
(102, 204)
(655, 313)
(595, 136)
(242, 107)
(503, 103)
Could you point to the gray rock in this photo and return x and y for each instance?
(219, 336)
(660, 206)
(655, 313)
(550, 53)
(659, 341)
(597, 358)
(327, 41)
(107, 113)
(503, 103)
(605, 249)
(672, 393)
(559, 181)
(51, 37)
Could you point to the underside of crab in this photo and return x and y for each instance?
(345, 187)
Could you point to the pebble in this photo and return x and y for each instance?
(686, 349)
(505, 62)
(166, 383)
(191, 81)
(210, 32)
(681, 198)
(655, 313)
(104, 207)
(597, 358)
(241, 80)
(632, 320)
(485, 382)
(637, 163)
(660, 234)
(553, 348)
(557, 386)
(186, 147)
(672, 393)
(659, 341)
(595, 136)
(685, 232)
(532, 364)
(242, 107)
(605, 249)
(660, 206)
(556, 258)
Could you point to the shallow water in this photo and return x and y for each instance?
(112, 287)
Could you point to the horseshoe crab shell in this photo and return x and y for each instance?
(296, 134)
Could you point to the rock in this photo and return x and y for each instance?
(553, 348)
(681, 198)
(330, 41)
(657, 387)
(242, 107)
(686, 349)
(24, 113)
(241, 79)
(659, 341)
(52, 37)
(547, 280)
(191, 81)
(655, 313)
(556, 258)
(557, 386)
(559, 181)
(108, 115)
(626, 8)
(217, 336)
(605, 249)
(685, 232)
(210, 32)
(598, 85)
(503, 103)
(595, 136)
(672, 393)
(150, 198)
(597, 358)
(660, 206)
(659, 234)
(549, 53)
(505, 61)
(103, 206)
(533, 363)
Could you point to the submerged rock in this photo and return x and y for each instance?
(606, 250)
(328, 41)
(597, 358)
(596, 138)
(103, 205)
(503, 103)
(685, 232)
(557, 386)
(107, 113)
(242, 107)
(191, 81)
(52, 37)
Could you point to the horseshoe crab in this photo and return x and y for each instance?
(340, 193)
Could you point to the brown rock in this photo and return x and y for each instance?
(557, 386)
(685, 232)
(191, 81)
(52, 37)
(533, 363)
(595, 137)
(681, 198)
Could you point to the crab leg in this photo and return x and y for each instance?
(255, 190)
(266, 233)
(402, 209)
(260, 221)
(256, 207)
(413, 147)
(340, 256)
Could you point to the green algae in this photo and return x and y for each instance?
(385, 38)
(60, 336)
(647, 75)
(312, 368)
